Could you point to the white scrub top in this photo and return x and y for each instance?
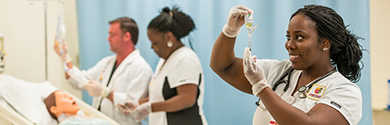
(129, 82)
(182, 67)
(335, 91)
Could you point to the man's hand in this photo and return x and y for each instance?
(96, 89)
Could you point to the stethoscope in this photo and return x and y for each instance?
(302, 90)
(280, 81)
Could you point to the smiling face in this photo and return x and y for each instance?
(303, 44)
(65, 104)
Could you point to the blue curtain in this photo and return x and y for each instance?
(223, 105)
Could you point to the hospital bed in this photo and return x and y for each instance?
(21, 102)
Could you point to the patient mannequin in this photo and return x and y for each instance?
(65, 110)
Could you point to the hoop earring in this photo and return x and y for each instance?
(169, 44)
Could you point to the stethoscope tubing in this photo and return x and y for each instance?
(288, 74)
(281, 79)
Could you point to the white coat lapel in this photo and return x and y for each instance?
(128, 60)
(107, 70)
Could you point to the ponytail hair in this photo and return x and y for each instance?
(175, 21)
(345, 51)
(348, 59)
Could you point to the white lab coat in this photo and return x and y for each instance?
(129, 82)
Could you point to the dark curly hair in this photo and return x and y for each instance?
(175, 21)
(345, 51)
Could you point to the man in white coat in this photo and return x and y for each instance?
(115, 79)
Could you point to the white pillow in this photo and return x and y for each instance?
(27, 98)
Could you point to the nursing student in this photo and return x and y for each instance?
(324, 63)
(176, 89)
(117, 78)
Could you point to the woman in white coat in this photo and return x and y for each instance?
(324, 61)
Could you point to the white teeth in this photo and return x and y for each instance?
(293, 57)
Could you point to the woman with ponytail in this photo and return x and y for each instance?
(176, 89)
(315, 86)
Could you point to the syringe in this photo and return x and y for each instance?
(249, 23)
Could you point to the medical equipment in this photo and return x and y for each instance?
(30, 2)
(248, 24)
(280, 81)
(2, 53)
(249, 20)
(61, 32)
(302, 90)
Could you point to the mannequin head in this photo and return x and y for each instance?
(59, 102)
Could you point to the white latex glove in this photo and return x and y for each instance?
(140, 112)
(253, 73)
(62, 50)
(235, 20)
(128, 106)
(96, 89)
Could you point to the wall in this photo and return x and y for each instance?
(379, 51)
(22, 23)
(380, 61)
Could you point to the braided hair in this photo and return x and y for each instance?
(345, 51)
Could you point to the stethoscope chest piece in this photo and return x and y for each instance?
(302, 92)
(302, 95)
(302, 89)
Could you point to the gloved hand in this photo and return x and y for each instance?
(96, 89)
(128, 106)
(140, 112)
(62, 50)
(235, 20)
(253, 73)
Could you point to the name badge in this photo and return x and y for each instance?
(316, 92)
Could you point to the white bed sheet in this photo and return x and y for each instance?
(27, 99)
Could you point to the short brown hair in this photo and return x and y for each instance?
(49, 102)
(127, 24)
